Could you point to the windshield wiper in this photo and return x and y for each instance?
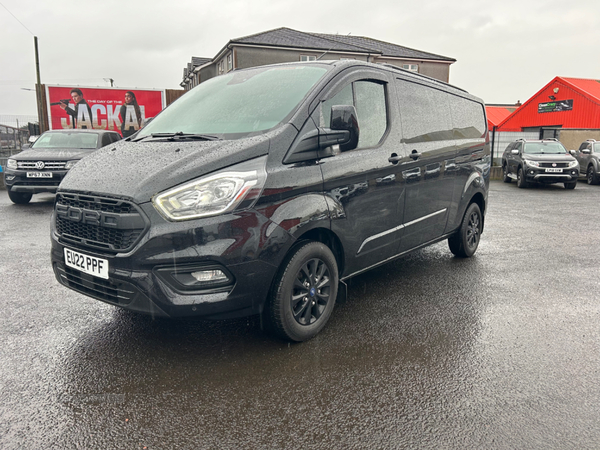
(179, 136)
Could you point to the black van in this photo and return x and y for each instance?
(262, 190)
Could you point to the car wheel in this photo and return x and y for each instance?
(19, 198)
(465, 241)
(505, 176)
(521, 183)
(570, 185)
(592, 176)
(304, 293)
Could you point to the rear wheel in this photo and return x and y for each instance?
(505, 176)
(304, 293)
(570, 185)
(19, 198)
(465, 241)
(592, 176)
(521, 182)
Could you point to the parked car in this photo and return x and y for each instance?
(539, 161)
(42, 167)
(262, 190)
(588, 157)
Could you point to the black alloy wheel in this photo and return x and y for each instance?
(521, 182)
(19, 198)
(592, 177)
(505, 176)
(304, 293)
(465, 241)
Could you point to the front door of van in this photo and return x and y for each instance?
(428, 166)
(364, 189)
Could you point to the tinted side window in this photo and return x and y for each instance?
(105, 140)
(371, 110)
(468, 118)
(368, 98)
(425, 113)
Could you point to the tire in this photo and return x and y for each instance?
(521, 182)
(570, 185)
(303, 294)
(592, 176)
(19, 198)
(465, 241)
(505, 176)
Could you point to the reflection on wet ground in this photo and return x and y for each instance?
(431, 351)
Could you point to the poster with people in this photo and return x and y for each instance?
(121, 110)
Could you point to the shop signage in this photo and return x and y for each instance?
(563, 105)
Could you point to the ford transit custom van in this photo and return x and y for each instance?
(261, 191)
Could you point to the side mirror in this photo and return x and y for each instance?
(586, 151)
(344, 117)
(515, 151)
(320, 142)
(573, 152)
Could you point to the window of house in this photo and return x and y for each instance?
(368, 97)
(411, 67)
(307, 58)
(229, 62)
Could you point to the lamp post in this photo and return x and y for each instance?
(38, 88)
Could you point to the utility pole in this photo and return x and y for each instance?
(38, 88)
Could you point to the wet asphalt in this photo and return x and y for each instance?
(499, 351)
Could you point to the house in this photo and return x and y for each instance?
(287, 45)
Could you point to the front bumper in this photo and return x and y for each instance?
(536, 175)
(17, 181)
(247, 246)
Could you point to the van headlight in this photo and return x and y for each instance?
(12, 164)
(70, 164)
(573, 164)
(532, 163)
(213, 195)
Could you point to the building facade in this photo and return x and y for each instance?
(287, 45)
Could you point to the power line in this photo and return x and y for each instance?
(17, 19)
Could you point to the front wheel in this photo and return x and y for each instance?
(592, 176)
(521, 181)
(505, 176)
(465, 241)
(570, 185)
(304, 293)
(19, 198)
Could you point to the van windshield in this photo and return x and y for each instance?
(247, 101)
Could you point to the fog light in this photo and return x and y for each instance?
(10, 177)
(531, 172)
(574, 173)
(209, 276)
(194, 278)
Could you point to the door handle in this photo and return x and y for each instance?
(394, 158)
(415, 155)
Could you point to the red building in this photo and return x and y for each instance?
(497, 113)
(563, 103)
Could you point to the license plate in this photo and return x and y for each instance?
(91, 265)
(39, 174)
(554, 170)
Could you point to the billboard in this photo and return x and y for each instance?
(116, 109)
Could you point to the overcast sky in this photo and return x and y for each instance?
(505, 50)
